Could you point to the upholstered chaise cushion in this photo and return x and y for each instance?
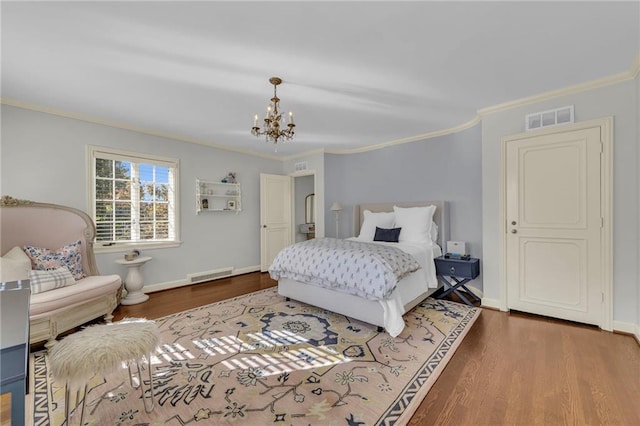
(62, 298)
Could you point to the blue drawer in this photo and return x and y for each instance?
(13, 379)
(469, 268)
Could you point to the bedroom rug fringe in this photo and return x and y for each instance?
(258, 359)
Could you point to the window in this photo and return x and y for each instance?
(133, 198)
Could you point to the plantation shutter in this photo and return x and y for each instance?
(133, 197)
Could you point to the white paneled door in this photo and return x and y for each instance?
(554, 219)
(275, 217)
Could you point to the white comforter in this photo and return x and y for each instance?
(364, 269)
(424, 253)
(415, 284)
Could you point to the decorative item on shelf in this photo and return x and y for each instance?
(272, 121)
(337, 208)
(132, 255)
(205, 204)
(229, 178)
(231, 204)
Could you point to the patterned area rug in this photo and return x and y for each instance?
(258, 359)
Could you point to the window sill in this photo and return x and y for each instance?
(98, 248)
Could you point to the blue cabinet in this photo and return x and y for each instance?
(454, 274)
(13, 379)
(14, 345)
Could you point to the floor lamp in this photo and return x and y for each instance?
(336, 208)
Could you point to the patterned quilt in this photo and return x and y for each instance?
(363, 269)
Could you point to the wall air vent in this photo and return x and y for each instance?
(199, 277)
(552, 117)
(303, 165)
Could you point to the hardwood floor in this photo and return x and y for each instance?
(5, 409)
(514, 369)
(180, 299)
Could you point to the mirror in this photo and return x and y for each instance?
(310, 208)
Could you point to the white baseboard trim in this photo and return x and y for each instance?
(490, 303)
(627, 328)
(151, 288)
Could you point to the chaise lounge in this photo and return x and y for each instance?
(49, 230)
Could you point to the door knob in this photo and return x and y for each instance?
(513, 222)
(514, 231)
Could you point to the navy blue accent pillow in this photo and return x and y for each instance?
(388, 235)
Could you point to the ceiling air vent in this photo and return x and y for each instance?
(552, 117)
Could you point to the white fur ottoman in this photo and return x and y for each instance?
(101, 349)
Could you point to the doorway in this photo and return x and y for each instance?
(556, 216)
(288, 212)
(275, 217)
(304, 206)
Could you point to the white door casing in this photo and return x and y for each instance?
(275, 216)
(556, 198)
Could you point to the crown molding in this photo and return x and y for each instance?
(416, 138)
(125, 126)
(582, 87)
(569, 90)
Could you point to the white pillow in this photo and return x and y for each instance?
(371, 220)
(434, 232)
(42, 281)
(14, 265)
(415, 223)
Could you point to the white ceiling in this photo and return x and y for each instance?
(355, 74)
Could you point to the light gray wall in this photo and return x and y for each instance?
(303, 187)
(616, 100)
(443, 168)
(43, 158)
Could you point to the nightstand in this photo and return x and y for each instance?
(455, 273)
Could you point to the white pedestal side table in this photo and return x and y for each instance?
(134, 281)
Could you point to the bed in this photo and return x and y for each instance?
(411, 289)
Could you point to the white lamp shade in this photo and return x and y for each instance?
(336, 207)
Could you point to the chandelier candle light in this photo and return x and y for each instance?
(272, 120)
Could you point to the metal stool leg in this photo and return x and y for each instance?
(131, 374)
(84, 402)
(151, 397)
(67, 404)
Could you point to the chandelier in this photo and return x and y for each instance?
(272, 121)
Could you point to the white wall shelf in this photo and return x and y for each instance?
(212, 196)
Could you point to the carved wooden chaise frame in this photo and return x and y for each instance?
(51, 226)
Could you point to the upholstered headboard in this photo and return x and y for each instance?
(45, 225)
(440, 217)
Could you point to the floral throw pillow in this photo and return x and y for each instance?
(69, 256)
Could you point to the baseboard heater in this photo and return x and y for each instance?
(199, 277)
